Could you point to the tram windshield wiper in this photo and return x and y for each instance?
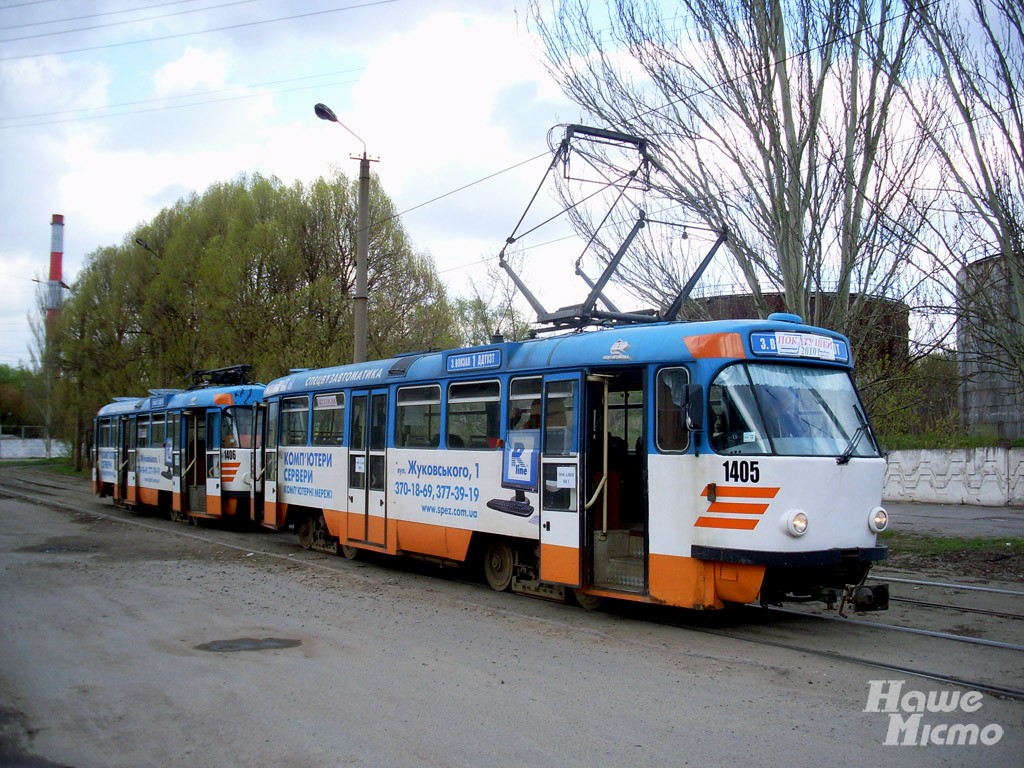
(847, 454)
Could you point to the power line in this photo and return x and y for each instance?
(119, 23)
(240, 25)
(178, 106)
(98, 15)
(21, 5)
(459, 189)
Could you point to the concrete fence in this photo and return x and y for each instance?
(17, 448)
(991, 477)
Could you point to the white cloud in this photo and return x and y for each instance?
(443, 99)
(195, 70)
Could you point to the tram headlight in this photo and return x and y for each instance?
(796, 522)
(878, 520)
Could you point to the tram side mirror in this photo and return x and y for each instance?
(693, 407)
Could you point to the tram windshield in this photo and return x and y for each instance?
(236, 428)
(788, 410)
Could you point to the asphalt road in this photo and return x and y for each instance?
(140, 642)
(957, 520)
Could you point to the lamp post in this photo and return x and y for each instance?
(362, 245)
(160, 338)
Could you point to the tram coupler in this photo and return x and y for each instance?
(865, 598)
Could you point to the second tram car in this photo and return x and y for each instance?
(686, 464)
(188, 453)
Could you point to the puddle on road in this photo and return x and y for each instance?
(248, 644)
(59, 547)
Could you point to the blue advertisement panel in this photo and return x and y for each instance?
(520, 459)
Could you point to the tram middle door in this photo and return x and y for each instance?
(195, 461)
(368, 468)
(121, 484)
(616, 507)
(256, 462)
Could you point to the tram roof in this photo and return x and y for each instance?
(671, 342)
(241, 394)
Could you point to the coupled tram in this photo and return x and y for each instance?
(187, 453)
(686, 464)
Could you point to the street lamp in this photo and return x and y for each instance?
(360, 307)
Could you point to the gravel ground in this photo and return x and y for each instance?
(141, 642)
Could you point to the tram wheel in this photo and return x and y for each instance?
(498, 565)
(349, 553)
(306, 531)
(585, 601)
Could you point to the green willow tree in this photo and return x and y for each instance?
(251, 271)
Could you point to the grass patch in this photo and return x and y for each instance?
(918, 544)
(59, 466)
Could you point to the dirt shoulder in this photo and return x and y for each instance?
(996, 559)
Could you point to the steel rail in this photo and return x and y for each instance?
(875, 576)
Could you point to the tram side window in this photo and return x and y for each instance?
(271, 447)
(294, 420)
(418, 417)
(524, 403)
(560, 419)
(272, 411)
(672, 432)
(329, 419)
(171, 437)
(106, 436)
(143, 432)
(158, 432)
(474, 415)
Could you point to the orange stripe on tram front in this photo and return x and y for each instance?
(739, 524)
(743, 491)
(737, 508)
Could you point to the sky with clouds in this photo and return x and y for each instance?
(107, 116)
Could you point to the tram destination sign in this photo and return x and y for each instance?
(792, 344)
(474, 361)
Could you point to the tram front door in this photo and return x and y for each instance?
(367, 521)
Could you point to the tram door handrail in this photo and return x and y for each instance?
(603, 380)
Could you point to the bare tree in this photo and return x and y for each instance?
(493, 308)
(975, 121)
(773, 119)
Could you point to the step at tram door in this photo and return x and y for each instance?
(367, 476)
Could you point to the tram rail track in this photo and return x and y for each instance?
(878, 575)
(961, 608)
(1003, 691)
(39, 491)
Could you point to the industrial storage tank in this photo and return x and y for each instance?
(990, 348)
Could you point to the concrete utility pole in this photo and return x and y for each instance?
(360, 312)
